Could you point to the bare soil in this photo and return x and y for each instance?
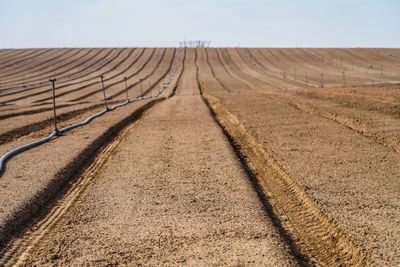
(340, 145)
(285, 173)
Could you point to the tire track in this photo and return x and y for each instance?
(78, 182)
(318, 237)
(384, 134)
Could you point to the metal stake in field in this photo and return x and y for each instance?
(126, 88)
(371, 74)
(294, 74)
(322, 80)
(141, 88)
(344, 80)
(306, 77)
(151, 92)
(381, 69)
(53, 81)
(104, 92)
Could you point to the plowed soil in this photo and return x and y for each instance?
(259, 157)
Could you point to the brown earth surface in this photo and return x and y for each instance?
(316, 182)
(173, 194)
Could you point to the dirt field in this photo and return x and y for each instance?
(258, 157)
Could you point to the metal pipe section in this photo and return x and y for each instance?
(141, 88)
(53, 81)
(322, 80)
(126, 88)
(84, 122)
(20, 149)
(151, 91)
(104, 91)
(344, 79)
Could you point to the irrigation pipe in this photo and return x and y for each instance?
(383, 82)
(20, 149)
(56, 132)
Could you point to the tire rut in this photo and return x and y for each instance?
(302, 223)
(317, 236)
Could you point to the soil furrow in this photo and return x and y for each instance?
(81, 78)
(213, 72)
(34, 69)
(26, 59)
(56, 74)
(14, 54)
(80, 88)
(89, 54)
(109, 86)
(69, 188)
(318, 237)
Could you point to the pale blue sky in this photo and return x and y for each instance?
(268, 23)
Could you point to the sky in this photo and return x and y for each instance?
(155, 23)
